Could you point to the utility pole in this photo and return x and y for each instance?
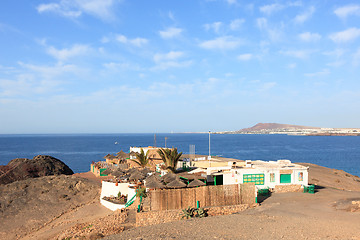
(154, 139)
(209, 150)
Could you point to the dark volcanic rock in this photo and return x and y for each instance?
(23, 168)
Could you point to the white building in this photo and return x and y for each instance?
(263, 174)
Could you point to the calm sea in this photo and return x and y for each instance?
(79, 150)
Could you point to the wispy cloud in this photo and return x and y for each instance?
(168, 56)
(102, 9)
(213, 26)
(269, 9)
(321, 73)
(356, 57)
(168, 60)
(170, 32)
(301, 54)
(66, 53)
(275, 34)
(138, 42)
(346, 35)
(222, 43)
(231, 2)
(344, 12)
(266, 86)
(303, 17)
(245, 57)
(236, 24)
(33, 80)
(309, 37)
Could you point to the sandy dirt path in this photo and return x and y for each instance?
(281, 216)
(82, 214)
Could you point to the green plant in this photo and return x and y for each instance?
(190, 212)
(200, 212)
(141, 158)
(170, 157)
(119, 194)
(141, 192)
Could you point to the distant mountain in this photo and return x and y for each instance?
(274, 126)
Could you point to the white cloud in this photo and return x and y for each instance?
(273, 33)
(236, 24)
(318, 74)
(346, 35)
(214, 26)
(267, 86)
(344, 12)
(245, 57)
(169, 60)
(171, 64)
(356, 57)
(66, 53)
(173, 55)
(102, 9)
(336, 53)
(122, 66)
(222, 43)
(261, 23)
(302, 54)
(33, 80)
(301, 18)
(309, 37)
(170, 32)
(269, 9)
(231, 2)
(138, 42)
(292, 65)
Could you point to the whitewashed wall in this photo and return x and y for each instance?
(110, 189)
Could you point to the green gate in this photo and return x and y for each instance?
(285, 178)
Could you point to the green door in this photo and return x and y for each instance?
(285, 178)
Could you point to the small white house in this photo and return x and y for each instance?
(109, 189)
(264, 174)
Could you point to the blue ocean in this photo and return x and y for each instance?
(79, 150)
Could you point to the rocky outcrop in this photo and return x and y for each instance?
(24, 168)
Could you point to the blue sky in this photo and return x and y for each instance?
(110, 66)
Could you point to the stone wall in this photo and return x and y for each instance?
(288, 188)
(157, 217)
(226, 210)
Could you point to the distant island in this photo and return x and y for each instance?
(277, 128)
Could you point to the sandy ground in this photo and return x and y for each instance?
(322, 215)
(80, 215)
(281, 216)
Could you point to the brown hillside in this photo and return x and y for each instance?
(272, 126)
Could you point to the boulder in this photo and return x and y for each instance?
(24, 168)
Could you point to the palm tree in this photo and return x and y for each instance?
(170, 157)
(141, 158)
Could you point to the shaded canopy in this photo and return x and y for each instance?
(169, 177)
(137, 176)
(110, 156)
(122, 155)
(154, 184)
(117, 173)
(146, 171)
(153, 177)
(107, 171)
(177, 183)
(196, 183)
